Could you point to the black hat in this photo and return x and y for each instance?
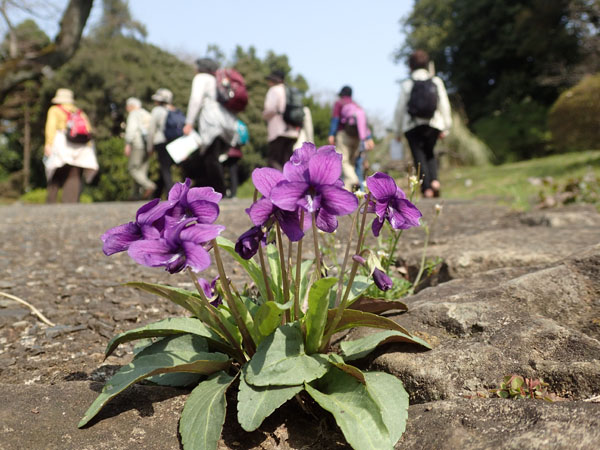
(207, 65)
(276, 75)
(346, 91)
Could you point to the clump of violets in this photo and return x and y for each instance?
(271, 342)
(173, 234)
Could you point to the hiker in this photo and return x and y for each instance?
(212, 120)
(68, 150)
(136, 131)
(156, 140)
(423, 115)
(307, 132)
(281, 135)
(349, 132)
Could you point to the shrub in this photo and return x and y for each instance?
(113, 182)
(464, 148)
(573, 119)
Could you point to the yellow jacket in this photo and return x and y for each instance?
(56, 120)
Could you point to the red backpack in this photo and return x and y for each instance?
(231, 90)
(78, 131)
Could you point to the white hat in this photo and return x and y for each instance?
(63, 96)
(163, 95)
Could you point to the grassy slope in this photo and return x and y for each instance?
(510, 182)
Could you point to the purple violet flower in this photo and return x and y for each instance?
(147, 225)
(181, 246)
(390, 202)
(263, 211)
(314, 185)
(247, 244)
(382, 280)
(200, 203)
(210, 291)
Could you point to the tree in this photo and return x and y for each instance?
(18, 68)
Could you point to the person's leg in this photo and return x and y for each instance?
(430, 137)
(348, 147)
(165, 162)
(55, 183)
(233, 176)
(212, 168)
(72, 186)
(416, 143)
(138, 169)
(279, 151)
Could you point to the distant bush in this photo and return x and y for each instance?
(38, 196)
(464, 148)
(517, 133)
(574, 119)
(113, 182)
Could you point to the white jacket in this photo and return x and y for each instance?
(441, 120)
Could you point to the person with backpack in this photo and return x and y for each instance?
(68, 150)
(157, 140)
(283, 111)
(136, 132)
(217, 95)
(349, 132)
(423, 115)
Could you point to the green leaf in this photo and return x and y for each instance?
(177, 379)
(256, 403)
(377, 305)
(166, 327)
(171, 354)
(304, 278)
(360, 348)
(359, 285)
(352, 318)
(275, 272)
(203, 415)
(389, 393)
(280, 360)
(355, 411)
(182, 297)
(316, 316)
(249, 265)
(267, 319)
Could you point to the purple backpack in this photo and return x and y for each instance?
(349, 117)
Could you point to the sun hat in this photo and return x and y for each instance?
(63, 96)
(163, 95)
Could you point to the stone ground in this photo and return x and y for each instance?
(515, 293)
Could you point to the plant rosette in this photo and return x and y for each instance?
(273, 336)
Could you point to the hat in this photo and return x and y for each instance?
(207, 65)
(163, 95)
(276, 75)
(63, 96)
(346, 91)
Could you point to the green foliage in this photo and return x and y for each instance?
(516, 386)
(516, 133)
(583, 189)
(465, 148)
(113, 181)
(573, 119)
(38, 197)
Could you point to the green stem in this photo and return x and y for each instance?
(342, 271)
(316, 242)
(247, 339)
(282, 263)
(298, 272)
(263, 269)
(214, 316)
(392, 249)
(422, 268)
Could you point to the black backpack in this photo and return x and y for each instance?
(294, 109)
(174, 125)
(423, 99)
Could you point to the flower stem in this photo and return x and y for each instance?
(391, 249)
(263, 269)
(298, 273)
(214, 316)
(422, 267)
(316, 242)
(247, 339)
(342, 271)
(282, 263)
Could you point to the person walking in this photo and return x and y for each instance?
(68, 149)
(423, 115)
(349, 132)
(156, 140)
(281, 136)
(136, 130)
(204, 166)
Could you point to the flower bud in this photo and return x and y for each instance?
(382, 280)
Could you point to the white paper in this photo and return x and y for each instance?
(396, 150)
(183, 147)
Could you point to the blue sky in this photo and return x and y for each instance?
(331, 43)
